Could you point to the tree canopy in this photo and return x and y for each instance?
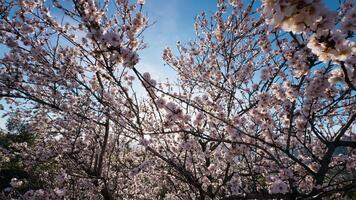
(263, 105)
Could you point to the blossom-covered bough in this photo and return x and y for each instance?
(66, 74)
(263, 108)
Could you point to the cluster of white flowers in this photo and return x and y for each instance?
(266, 73)
(219, 31)
(297, 16)
(149, 82)
(235, 185)
(235, 3)
(303, 16)
(298, 60)
(138, 22)
(130, 58)
(300, 123)
(331, 45)
(112, 39)
(233, 133)
(264, 43)
(29, 5)
(4, 157)
(278, 92)
(290, 91)
(317, 86)
(90, 11)
(187, 144)
(285, 174)
(348, 21)
(96, 34)
(173, 114)
(125, 56)
(27, 29)
(160, 102)
(167, 54)
(278, 187)
(337, 75)
(15, 183)
(199, 118)
(57, 193)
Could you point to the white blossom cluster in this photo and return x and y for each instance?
(297, 15)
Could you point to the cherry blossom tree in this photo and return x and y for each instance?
(67, 76)
(263, 106)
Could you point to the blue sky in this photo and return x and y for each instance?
(174, 20)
